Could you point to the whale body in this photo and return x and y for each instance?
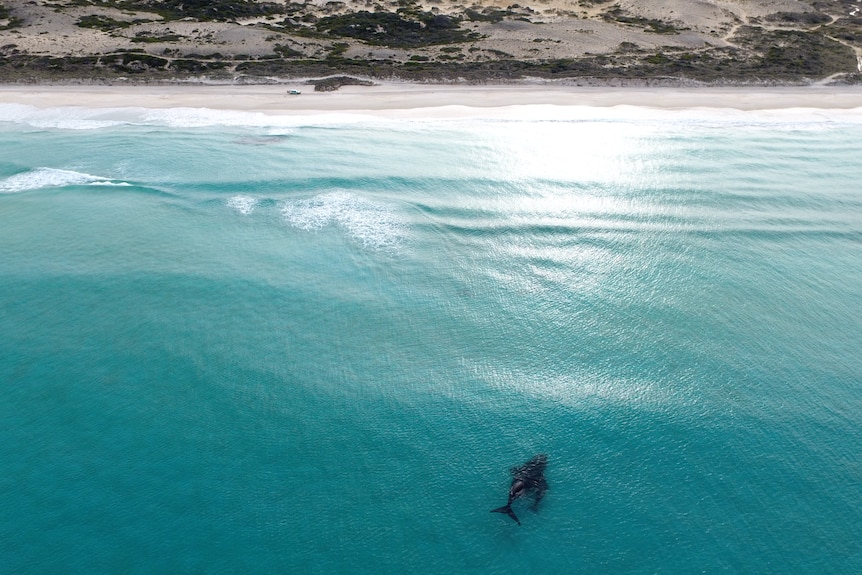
(528, 479)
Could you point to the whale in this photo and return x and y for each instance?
(527, 479)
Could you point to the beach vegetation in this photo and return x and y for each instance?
(213, 10)
(657, 59)
(7, 20)
(492, 15)
(137, 63)
(794, 53)
(103, 23)
(797, 18)
(325, 39)
(338, 48)
(286, 51)
(626, 47)
(617, 14)
(337, 51)
(144, 38)
(185, 65)
(333, 83)
(848, 31)
(407, 29)
(850, 79)
(204, 10)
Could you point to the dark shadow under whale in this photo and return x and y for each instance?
(526, 479)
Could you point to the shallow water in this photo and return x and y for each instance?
(237, 343)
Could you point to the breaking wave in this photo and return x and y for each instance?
(243, 204)
(83, 118)
(373, 225)
(65, 117)
(49, 178)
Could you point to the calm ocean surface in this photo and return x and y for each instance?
(232, 343)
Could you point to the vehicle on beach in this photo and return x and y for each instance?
(294, 92)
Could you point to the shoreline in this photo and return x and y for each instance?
(402, 99)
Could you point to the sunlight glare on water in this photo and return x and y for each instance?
(567, 151)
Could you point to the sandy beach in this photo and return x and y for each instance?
(406, 99)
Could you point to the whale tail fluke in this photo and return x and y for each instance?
(507, 509)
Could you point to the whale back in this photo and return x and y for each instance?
(533, 470)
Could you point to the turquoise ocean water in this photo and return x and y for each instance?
(232, 343)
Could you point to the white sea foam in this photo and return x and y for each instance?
(203, 117)
(83, 118)
(373, 225)
(243, 204)
(276, 125)
(65, 117)
(47, 178)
